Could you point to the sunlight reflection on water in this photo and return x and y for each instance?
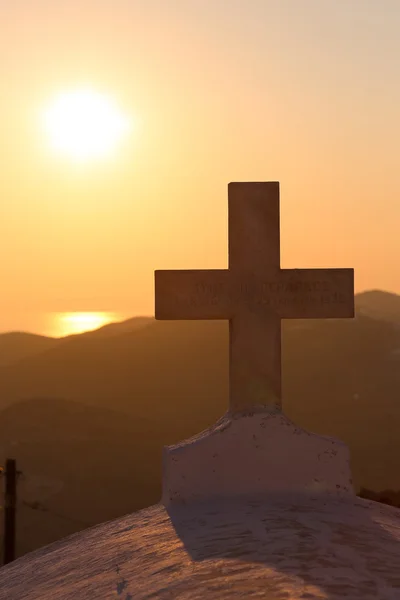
(69, 323)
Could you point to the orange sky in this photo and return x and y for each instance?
(306, 93)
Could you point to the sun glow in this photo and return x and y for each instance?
(78, 322)
(85, 125)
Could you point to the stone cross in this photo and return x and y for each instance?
(254, 294)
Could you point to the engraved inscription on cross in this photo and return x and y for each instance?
(254, 294)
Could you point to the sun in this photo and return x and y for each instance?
(85, 125)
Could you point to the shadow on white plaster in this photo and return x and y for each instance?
(320, 541)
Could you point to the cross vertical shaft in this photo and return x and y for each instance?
(254, 335)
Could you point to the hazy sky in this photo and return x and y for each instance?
(305, 92)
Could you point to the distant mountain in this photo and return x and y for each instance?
(380, 305)
(150, 372)
(17, 345)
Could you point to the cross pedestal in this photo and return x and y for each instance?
(254, 294)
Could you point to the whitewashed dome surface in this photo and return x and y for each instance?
(283, 548)
(280, 537)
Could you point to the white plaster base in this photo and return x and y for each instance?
(255, 452)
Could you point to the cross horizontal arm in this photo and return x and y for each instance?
(313, 293)
(192, 294)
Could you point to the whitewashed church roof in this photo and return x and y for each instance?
(304, 547)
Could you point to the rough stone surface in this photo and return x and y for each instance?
(257, 452)
(288, 548)
(254, 294)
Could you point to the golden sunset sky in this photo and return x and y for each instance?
(304, 92)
